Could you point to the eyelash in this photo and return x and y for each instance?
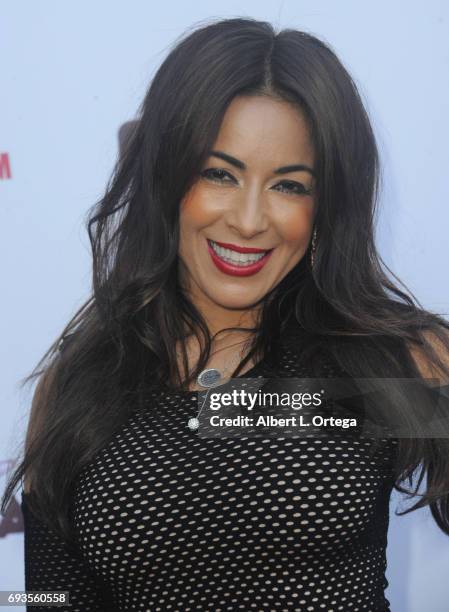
(210, 174)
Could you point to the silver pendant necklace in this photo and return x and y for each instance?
(208, 379)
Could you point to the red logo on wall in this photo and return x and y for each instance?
(5, 166)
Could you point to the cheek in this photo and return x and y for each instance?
(196, 210)
(295, 226)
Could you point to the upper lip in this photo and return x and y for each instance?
(240, 249)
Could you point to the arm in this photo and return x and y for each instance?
(50, 565)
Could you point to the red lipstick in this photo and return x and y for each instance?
(240, 249)
(236, 270)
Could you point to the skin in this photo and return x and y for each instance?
(251, 207)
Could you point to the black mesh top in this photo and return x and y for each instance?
(167, 520)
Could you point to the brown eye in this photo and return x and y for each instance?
(292, 187)
(217, 175)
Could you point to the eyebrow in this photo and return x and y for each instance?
(282, 170)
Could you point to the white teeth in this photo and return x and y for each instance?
(238, 259)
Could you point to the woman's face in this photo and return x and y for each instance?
(255, 192)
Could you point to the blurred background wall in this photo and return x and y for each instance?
(74, 72)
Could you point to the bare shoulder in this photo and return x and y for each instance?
(426, 368)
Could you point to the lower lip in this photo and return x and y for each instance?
(228, 268)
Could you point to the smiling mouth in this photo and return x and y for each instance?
(239, 258)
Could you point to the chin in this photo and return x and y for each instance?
(233, 302)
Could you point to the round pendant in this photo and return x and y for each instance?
(209, 377)
(193, 423)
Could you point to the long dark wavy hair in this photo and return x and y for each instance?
(121, 343)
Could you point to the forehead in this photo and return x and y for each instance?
(265, 131)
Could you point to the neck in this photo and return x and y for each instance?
(218, 318)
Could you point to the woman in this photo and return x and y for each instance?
(235, 235)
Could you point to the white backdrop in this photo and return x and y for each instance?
(73, 72)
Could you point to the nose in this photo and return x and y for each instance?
(248, 215)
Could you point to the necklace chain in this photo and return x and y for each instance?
(229, 367)
(193, 423)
